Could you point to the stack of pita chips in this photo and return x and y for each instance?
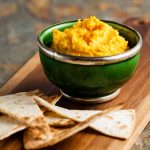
(40, 118)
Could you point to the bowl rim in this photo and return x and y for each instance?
(82, 60)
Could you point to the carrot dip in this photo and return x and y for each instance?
(90, 37)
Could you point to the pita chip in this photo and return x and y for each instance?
(24, 109)
(21, 107)
(50, 99)
(118, 124)
(53, 99)
(75, 115)
(59, 135)
(34, 138)
(9, 126)
(57, 121)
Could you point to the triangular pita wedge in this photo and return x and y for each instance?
(75, 115)
(59, 135)
(53, 99)
(9, 126)
(34, 137)
(118, 124)
(24, 109)
(50, 99)
(57, 121)
(116, 127)
(20, 107)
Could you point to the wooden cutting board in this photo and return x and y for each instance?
(135, 94)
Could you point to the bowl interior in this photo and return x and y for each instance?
(129, 34)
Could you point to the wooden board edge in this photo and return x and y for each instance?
(137, 133)
(20, 75)
(142, 108)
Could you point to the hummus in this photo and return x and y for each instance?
(91, 38)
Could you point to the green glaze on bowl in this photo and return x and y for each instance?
(79, 76)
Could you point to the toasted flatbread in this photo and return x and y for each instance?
(59, 135)
(53, 99)
(34, 137)
(50, 99)
(20, 107)
(57, 121)
(75, 115)
(121, 125)
(118, 124)
(24, 109)
(9, 126)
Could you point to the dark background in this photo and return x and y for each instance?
(22, 20)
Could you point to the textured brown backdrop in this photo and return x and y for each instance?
(22, 20)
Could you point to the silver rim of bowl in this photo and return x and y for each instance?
(92, 100)
(91, 60)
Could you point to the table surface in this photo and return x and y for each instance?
(21, 21)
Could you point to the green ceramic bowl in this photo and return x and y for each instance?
(89, 79)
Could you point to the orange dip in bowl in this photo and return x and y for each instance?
(90, 38)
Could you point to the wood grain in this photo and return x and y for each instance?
(20, 75)
(135, 94)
